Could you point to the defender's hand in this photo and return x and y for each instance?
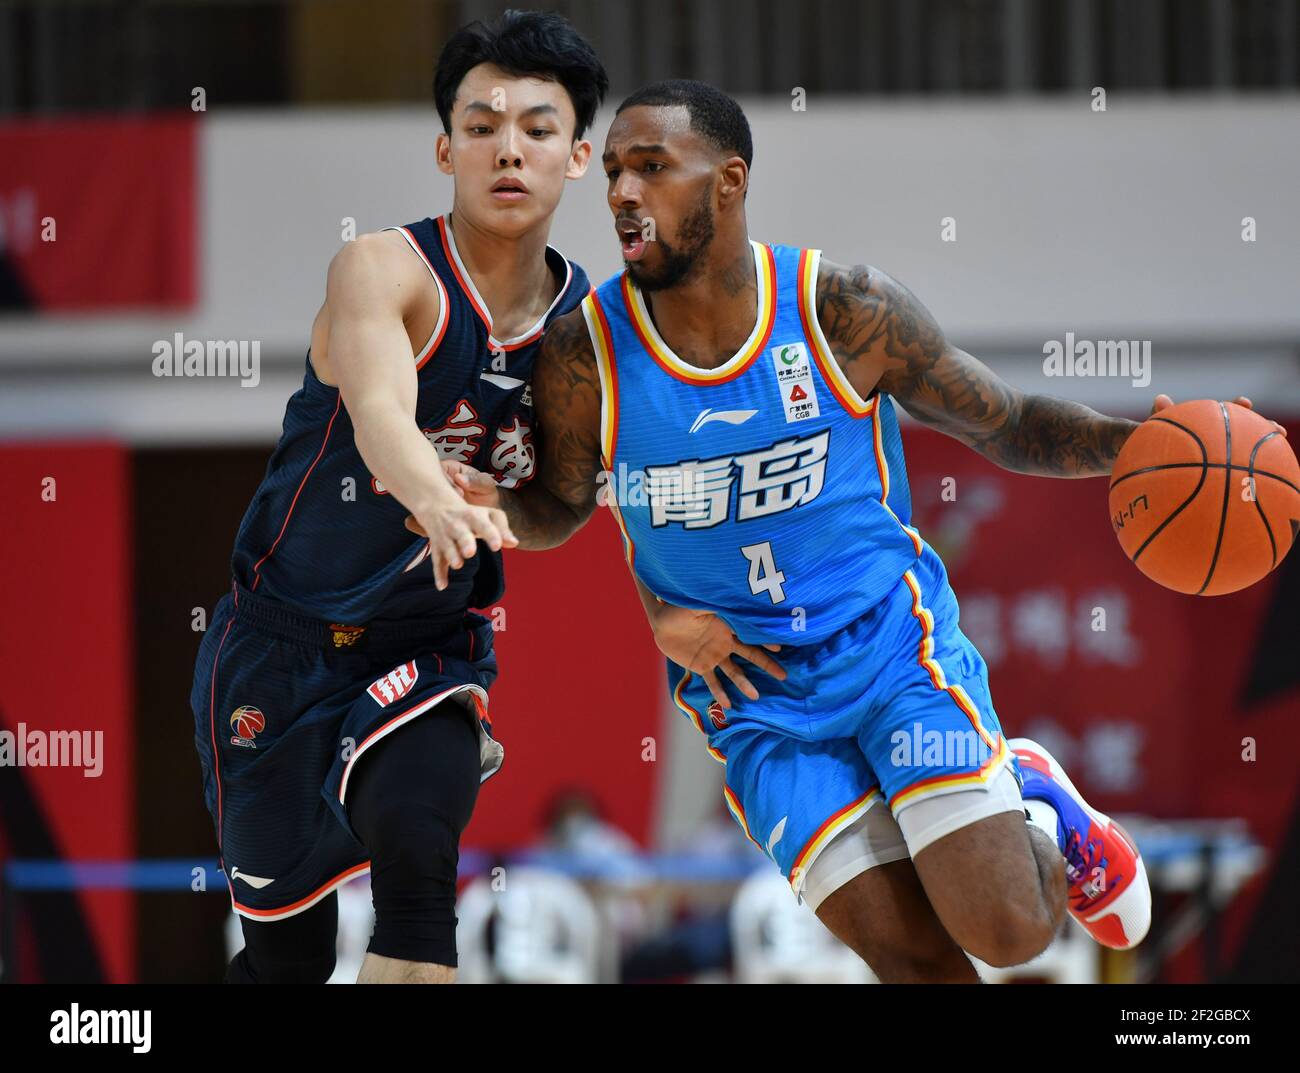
(474, 485)
(454, 528)
(703, 644)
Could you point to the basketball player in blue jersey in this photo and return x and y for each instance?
(340, 696)
(739, 394)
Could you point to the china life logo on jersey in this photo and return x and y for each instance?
(794, 380)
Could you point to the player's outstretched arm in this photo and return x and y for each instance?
(370, 284)
(560, 498)
(886, 340)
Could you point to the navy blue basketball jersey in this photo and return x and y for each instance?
(765, 490)
(324, 536)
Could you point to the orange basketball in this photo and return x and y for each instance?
(1205, 497)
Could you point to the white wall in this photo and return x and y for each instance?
(1118, 224)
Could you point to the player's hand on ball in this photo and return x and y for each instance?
(703, 644)
(1163, 402)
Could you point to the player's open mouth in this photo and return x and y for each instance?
(509, 190)
(631, 239)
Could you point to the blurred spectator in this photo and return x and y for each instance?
(575, 825)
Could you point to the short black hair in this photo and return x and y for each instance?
(524, 43)
(714, 116)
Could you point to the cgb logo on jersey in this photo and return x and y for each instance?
(513, 456)
(795, 382)
(247, 722)
(394, 685)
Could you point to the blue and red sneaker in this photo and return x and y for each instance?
(1108, 891)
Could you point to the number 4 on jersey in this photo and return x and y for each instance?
(764, 577)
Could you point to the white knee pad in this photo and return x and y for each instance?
(878, 837)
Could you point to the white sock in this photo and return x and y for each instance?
(1043, 816)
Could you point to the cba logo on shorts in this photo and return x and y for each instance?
(716, 717)
(247, 722)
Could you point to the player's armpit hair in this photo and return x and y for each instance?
(885, 339)
(566, 409)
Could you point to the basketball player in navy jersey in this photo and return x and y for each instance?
(748, 386)
(340, 695)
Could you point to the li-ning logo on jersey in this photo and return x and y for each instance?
(775, 836)
(731, 417)
(697, 494)
(256, 882)
(512, 455)
(394, 685)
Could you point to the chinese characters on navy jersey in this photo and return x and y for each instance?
(512, 457)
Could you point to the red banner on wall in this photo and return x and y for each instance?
(66, 746)
(98, 214)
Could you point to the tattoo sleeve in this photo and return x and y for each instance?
(885, 340)
(559, 499)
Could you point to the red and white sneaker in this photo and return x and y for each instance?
(1108, 890)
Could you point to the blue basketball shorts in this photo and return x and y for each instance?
(891, 711)
(284, 707)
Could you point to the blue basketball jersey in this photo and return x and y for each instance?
(765, 490)
(325, 537)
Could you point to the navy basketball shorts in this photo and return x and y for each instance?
(284, 708)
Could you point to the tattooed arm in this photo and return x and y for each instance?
(885, 340)
(559, 500)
